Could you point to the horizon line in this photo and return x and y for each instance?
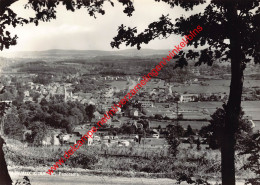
(6, 51)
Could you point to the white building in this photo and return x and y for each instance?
(146, 104)
(188, 97)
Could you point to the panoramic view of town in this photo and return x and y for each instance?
(172, 131)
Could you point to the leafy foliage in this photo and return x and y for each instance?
(39, 131)
(83, 160)
(36, 118)
(13, 126)
(173, 139)
(185, 178)
(252, 148)
(45, 11)
(37, 157)
(90, 109)
(42, 79)
(25, 181)
(3, 105)
(176, 130)
(163, 27)
(214, 20)
(214, 131)
(189, 132)
(128, 129)
(52, 113)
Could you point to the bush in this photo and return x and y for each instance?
(24, 181)
(252, 147)
(33, 156)
(85, 161)
(214, 131)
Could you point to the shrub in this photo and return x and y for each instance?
(214, 131)
(85, 161)
(25, 181)
(252, 147)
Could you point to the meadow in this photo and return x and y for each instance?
(136, 161)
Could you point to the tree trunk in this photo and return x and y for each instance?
(5, 178)
(233, 107)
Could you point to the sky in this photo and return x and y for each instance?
(78, 31)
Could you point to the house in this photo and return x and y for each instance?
(84, 101)
(81, 130)
(162, 105)
(188, 97)
(102, 131)
(158, 125)
(59, 93)
(171, 115)
(47, 141)
(26, 93)
(134, 113)
(74, 139)
(116, 124)
(131, 112)
(97, 116)
(56, 140)
(52, 138)
(78, 132)
(146, 104)
(27, 99)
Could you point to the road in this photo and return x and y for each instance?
(91, 180)
(68, 179)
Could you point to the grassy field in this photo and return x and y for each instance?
(251, 108)
(137, 161)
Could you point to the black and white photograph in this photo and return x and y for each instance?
(129, 92)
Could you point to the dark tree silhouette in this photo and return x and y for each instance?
(214, 131)
(236, 20)
(158, 116)
(198, 143)
(189, 132)
(90, 109)
(45, 11)
(5, 178)
(173, 141)
(176, 130)
(252, 148)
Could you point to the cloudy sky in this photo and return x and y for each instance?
(78, 31)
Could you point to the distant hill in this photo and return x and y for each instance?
(82, 54)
